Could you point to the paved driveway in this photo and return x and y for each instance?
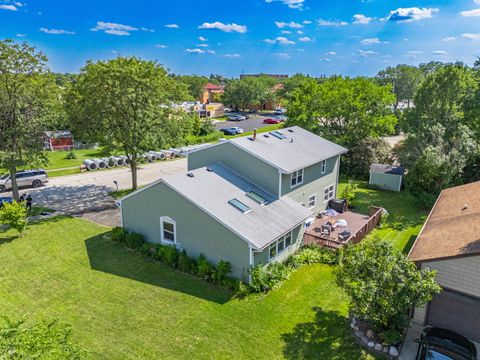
(88, 192)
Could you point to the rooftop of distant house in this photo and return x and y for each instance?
(211, 86)
(453, 227)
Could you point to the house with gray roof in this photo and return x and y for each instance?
(244, 200)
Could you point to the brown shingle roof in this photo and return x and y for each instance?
(453, 226)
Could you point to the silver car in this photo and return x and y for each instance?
(33, 178)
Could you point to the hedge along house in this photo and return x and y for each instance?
(386, 177)
(244, 200)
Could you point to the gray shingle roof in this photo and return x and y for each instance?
(386, 169)
(300, 149)
(211, 191)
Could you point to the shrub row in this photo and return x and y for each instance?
(178, 259)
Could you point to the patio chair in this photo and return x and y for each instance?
(344, 235)
(326, 229)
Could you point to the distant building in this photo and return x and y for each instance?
(211, 93)
(58, 140)
(273, 76)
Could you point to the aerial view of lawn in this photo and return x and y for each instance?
(124, 306)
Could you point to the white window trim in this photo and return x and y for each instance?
(285, 247)
(324, 167)
(328, 187)
(171, 221)
(314, 201)
(296, 176)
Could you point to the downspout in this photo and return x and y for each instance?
(279, 184)
(338, 174)
(250, 263)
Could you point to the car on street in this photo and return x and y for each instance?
(4, 200)
(442, 344)
(237, 117)
(271, 121)
(280, 111)
(281, 117)
(234, 130)
(33, 178)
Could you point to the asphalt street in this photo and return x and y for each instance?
(255, 122)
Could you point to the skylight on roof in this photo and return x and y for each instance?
(257, 198)
(278, 135)
(237, 204)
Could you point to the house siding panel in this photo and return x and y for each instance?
(386, 181)
(197, 232)
(297, 236)
(314, 183)
(248, 166)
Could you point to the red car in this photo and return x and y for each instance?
(271, 121)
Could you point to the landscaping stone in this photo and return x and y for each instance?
(385, 349)
(370, 334)
(378, 347)
(359, 334)
(365, 339)
(393, 351)
(356, 328)
(370, 344)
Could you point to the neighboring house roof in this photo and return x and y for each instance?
(58, 134)
(300, 149)
(211, 86)
(453, 227)
(387, 169)
(211, 190)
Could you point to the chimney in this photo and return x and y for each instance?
(254, 134)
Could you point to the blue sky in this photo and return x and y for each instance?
(355, 37)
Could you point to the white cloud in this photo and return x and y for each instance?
(195, 51)
(211, 52)
(325, 59)
(201, 38)
(20, 35)
(147, 29)
(361, 19)
(19, 4)
(322, 22)
(172, 26)
(331, 53)
(224, 27)
(57, 31)
(449, 38)
(292, 4)
(286, 32)
(370, 41)
(305, 39)
(411, 14)
(439, 52)
(299, 32)
(279, 40)
(471, 36)
(113, 28)
(308, 22)
(161, 46)
(291, 24)
(202, 45)
(231, 56)
(476, 2)
(365, 53)
(414, 53)
(473, 12)
(8, 7)
(282, 55)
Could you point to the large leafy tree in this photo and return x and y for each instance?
(27, 93)
(249, 91)
(403, 78)
(125, 104)
(195, 84)
(383, 284)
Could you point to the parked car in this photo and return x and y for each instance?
(271, 121)
(4, 200)
(237, 117)
(280, 111)
(443, 344)
(234, 130)
(281, 117)
(33, 178)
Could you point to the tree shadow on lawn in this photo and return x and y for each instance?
(327, 337)
(109, 257)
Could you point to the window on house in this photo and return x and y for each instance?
(288, 239)
(272, 251)
(312, 201)
(257, 198)
(324, 166)
(280, 245)
(329, 193)
(296, 178)
(168, 229)
(239, 205)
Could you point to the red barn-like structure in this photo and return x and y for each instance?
(58, 140)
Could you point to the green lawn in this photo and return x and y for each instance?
(404, 221)
(124, 306)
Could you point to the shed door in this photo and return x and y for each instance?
(456, 312)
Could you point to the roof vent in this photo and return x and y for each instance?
(266, 135)
(209, 169)
(291, 140)
(190, 174)
(290, 130)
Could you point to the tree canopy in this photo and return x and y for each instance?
(249, 91)
(403, 78)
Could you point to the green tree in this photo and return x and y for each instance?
(14, 215)
(249, 91)
(42, 340)
(382, 284)
(195, 85)
(26, 93)
(403, 78)
(125, 103)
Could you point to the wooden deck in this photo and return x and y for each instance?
(358, 224)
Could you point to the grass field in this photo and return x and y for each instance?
(124, 306)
